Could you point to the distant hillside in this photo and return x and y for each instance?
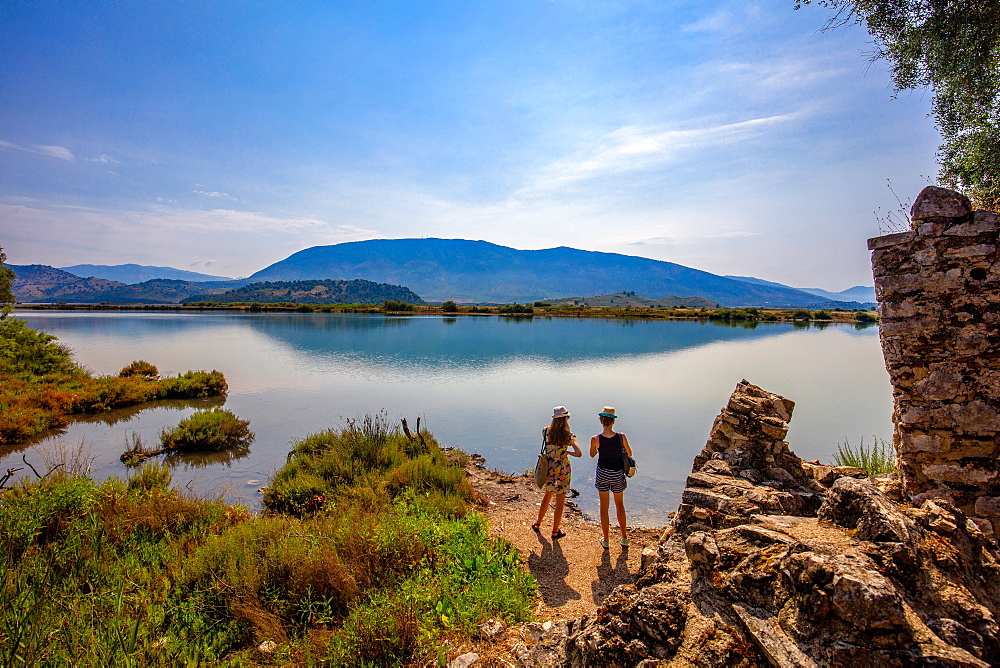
(41, 283)
(327, 291)
(859, 293)
(137, 273)
(478, 271)
(632, 300)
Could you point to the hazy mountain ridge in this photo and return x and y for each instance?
(441, 269)
(479, 271)
(327, 291)
(863, 294)
(138, 273)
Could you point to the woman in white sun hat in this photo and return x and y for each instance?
(611, 448)
(560, 445)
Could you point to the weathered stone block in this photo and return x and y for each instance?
(935, 202)
(889, 240)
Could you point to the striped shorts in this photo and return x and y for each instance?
(610, 480)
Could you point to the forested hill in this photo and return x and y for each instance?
(327, 291)
(479, 271)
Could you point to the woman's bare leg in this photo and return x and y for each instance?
(605, 522)
(557, 513)
(544, 508)
(620, 510)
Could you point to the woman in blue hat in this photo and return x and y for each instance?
(611, 447)
(560, 444)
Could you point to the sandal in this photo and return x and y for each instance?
(558, 534)
(535, 527)
(604, 543)
(624, 542)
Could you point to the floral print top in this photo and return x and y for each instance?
(559, 468)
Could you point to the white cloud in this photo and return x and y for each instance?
(636, 148)
(60, 152)
(107, 159)
(214, 193)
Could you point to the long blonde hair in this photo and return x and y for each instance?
(559, 433)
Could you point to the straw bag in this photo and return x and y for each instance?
(542, 467)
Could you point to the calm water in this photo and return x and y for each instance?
(483, 384)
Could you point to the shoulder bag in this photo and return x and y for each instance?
(542, 466)
(628, 461)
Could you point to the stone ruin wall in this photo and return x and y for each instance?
(938, 288)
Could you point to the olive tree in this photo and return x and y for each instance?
(953, 48)
(7, 277)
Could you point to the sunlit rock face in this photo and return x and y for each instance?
(938, 287)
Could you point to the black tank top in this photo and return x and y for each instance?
(609, 453)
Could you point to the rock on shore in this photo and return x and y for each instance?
(773, 560)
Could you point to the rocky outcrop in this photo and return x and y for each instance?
(938, 288)
(772, 560)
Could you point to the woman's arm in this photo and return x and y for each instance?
(628, 448)
(594, 445)
(576, 451)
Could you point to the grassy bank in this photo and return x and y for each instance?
(370, 555)
(41, 386)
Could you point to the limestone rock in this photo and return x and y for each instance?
(935, 202)
(816, 568)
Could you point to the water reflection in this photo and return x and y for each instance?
(200, 460)
(485, 384)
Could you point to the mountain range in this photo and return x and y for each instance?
(479, 271)
(863, 294)
(137, 273)
(438, 270)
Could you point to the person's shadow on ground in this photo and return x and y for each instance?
(550, 569)
(610, 576)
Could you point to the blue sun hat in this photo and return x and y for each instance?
(609, 411)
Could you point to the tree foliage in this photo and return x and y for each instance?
(952, 47)
(7, 277)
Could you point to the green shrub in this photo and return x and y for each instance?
(397, 305)
(823, 315)
(516, 309)
(140, 368)
(449, 307)
(866, 316)
(215, 429)
(876, 460)
(194, 384)
(802, 314)
(150, 476)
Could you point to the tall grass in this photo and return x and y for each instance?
(878, 459)
(384, 566)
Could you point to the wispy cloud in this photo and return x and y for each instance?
(214, 193)
(107, 159)
(60, 152)
(635, 148)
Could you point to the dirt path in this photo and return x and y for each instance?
(574, 573)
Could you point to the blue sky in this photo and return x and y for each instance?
(221, 137)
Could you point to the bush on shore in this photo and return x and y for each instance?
(212, 430)
(41, 386)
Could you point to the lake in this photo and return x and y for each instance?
(484, 384)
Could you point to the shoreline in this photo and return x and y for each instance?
(739, 316)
